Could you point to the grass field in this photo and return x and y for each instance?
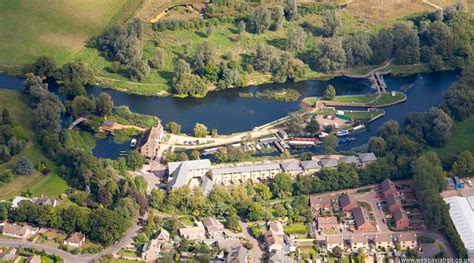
(55, 28)
(461, 140)
(354, 115)
(51, 184)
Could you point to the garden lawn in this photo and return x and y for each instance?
(297, 228)
(461, 139)
(51, 185)
(55, 28)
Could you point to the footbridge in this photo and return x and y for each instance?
(76, 122)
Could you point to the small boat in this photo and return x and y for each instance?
(342, 133)
(323, 134)
(357, 128)
(258, 147)
(133, 143)
(346, 140)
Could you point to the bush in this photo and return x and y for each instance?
(23, 167)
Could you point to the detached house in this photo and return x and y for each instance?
(75, 239)
(214, 228)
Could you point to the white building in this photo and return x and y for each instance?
(245, 173)
(461, 210)
(190, 173)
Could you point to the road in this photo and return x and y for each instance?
(371, 199)
(256, 252)
(68, 257)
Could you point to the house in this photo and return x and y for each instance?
(366, 158)
(151, 250)
(292, 168)
(279, 256)
(393, 202)
(45, 201)
(407, 240)
(328, 163)
(347, 202)
(17, 231)
(388, 187)
(108, 126)
(362, 220)
(383, 241)
(334, 241)
(282, 134)
(400, 219)
(196, 232)
(75, 239)
(214, 228)
(237, 255)
(350, 160)
(274, 237)
(227, 244)
(164, 235)
(310, 166)
(318, 203)
(189, 173)
(33, 259)
(326, 223)
(359, 241)
(151, 140)
(245, 173)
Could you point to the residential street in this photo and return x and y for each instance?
(68, 257)
(371, 199)
(256, 253)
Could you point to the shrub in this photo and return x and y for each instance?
(23, 167)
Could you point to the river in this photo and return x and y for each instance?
(229, 113)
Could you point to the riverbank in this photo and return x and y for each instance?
(362, 101)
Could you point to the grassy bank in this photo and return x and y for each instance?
(51, 184)
(461, 139)
(354, 115)
(364, 100)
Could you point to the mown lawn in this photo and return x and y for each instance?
(355, 98)
(387, 98)
(55, 28)
(51, 185)
(461, 139)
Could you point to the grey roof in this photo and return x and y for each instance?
(388, 185)
(246, 168)
(279, 257)
(291, 166)
(393, 199)
(179, 171)
(206, 185)
(349, 160)
(346, 199)
(310, 165)
(367, 157)
(399, 214)
(360, 216)
(328, 163)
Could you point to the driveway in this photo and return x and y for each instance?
(68, 257)
(371, 199)
(256, 252)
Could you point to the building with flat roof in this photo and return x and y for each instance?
(245, 173)
(461, 210)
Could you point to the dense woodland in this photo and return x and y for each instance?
(439, 39)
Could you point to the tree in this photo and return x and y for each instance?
(204, 55)
(263, 58)
(358, 51)
(173, 127)
(281, 185)
(441, 129)
(306, 156)
(195, 155)
(105, 104)
(6, 119)
(388, 129)
(82, 106)
(330, 92)
(464, 165)
(296, 39)
(23, 166)
(277, 17)
(263, 191)
(286, 67)
(382, 46)
(313, 126)
(157, 197)
(331, 23)
(200, 130)
(295, 122)
(208, 30)
(255, 212)
(182, 156)
(105, 226)
(262, 19)
(74, 77)
(330, 143)
(134, 160)
(337, 252)
(377, 145)
(182, 68)
(329, 55)
(158, 61)
(222, 154)
(405, 44)
(43, 66)
(122, 43)
(170, 156)
(241, 26)
(291, 10)
(138, 69)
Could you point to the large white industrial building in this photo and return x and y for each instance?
(461, 210)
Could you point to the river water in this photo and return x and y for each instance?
(229, 113)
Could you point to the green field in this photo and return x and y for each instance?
(354, 115)
(387, 98)
(461, 140)
(51, 184)
(55, 28)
